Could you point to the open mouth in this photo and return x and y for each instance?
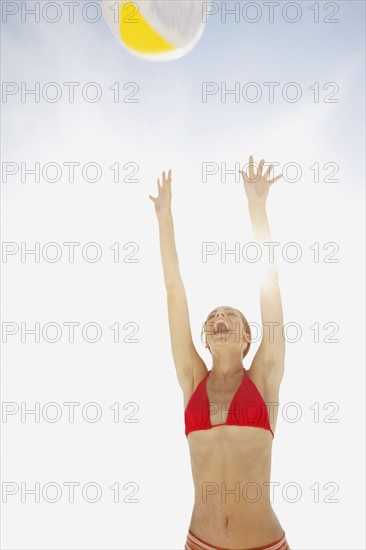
(221, 327)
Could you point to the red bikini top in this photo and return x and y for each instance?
(246, 409)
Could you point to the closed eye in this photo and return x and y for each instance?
(228, 314)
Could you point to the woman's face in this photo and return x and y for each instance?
(224, 326)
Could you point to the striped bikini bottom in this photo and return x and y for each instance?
(195, 543)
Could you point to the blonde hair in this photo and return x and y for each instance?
(246, 328)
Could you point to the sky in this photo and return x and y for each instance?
(118, 150)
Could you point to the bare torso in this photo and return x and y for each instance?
(231, 467)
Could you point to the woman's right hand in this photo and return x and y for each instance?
(163, 201)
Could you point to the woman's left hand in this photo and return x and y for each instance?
(257, 185)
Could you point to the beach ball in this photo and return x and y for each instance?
(156, 30)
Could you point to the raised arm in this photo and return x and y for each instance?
(188, 364)
(269, 360)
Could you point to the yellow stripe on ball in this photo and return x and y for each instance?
(137, 34)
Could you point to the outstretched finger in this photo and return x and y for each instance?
(170, 175)
(152, 198)
(251, 167)
(244, 175)
(275, 179)
(268, 171)
(260, 168)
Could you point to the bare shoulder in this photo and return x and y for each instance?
(194, 376)
(269, 388)
(267, 381)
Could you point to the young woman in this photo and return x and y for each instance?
(230, 412)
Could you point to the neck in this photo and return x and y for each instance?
(226, 363)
